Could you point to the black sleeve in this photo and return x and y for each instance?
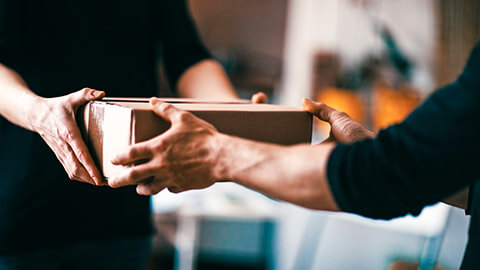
(432, 154)
(181, 44)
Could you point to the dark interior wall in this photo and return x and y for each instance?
(458, 31)
(247, 35)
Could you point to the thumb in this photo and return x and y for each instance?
(320, 110)
(165, 110)
(259, 98)
(85, 95)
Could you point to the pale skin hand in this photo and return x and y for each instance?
(53, 119)
(55, 123)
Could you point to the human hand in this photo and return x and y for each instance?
(259, 98)
(54, 120)
(183, 157)
(343, 128)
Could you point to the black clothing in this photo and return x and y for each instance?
(434, 153)
(61, 46)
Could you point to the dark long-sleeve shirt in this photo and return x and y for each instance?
(432, 154)
(59, 47)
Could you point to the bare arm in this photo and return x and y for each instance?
(16, 100)
(208, 80)
(294, 174)
(53, 119)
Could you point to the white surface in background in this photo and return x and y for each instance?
(349, 241)
(222, 199)
(455, 239)
(345, 240)
(431, 221)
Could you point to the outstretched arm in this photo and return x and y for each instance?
(346, 130)
(193, 155)
(208, 80)
(294, 174)
(16, 99)
(53, 119)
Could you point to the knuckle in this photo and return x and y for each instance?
(82, 155)
(76, 171)
(154, 166)
(163, 106)
(211, 128)
(320, 105)
(341, 114)
(150, 190)
(66, 134)
(158, 146)
(183, 116)
(335, 115)
(348, 132)
(132, 152)
(85, 90)
(145, 189)
(357, 132)
(132, 174)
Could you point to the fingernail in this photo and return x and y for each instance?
(140, 190)
(97, 93)
(94, 179)
(153, 101)
(111, 182)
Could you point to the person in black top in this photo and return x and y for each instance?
(430, 156)
(49, 49)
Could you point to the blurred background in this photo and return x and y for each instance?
(376, 60)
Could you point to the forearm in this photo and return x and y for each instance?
(16, 99)
(296, 174)
(207, 80)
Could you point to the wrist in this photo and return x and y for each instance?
(222, 169)
(33, 111)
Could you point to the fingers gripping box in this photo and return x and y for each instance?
(112, 124)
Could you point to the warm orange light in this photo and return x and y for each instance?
(391, 106)
(342, 100)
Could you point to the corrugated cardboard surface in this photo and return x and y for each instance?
(110, 126)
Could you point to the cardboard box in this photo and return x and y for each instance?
(111, 125)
